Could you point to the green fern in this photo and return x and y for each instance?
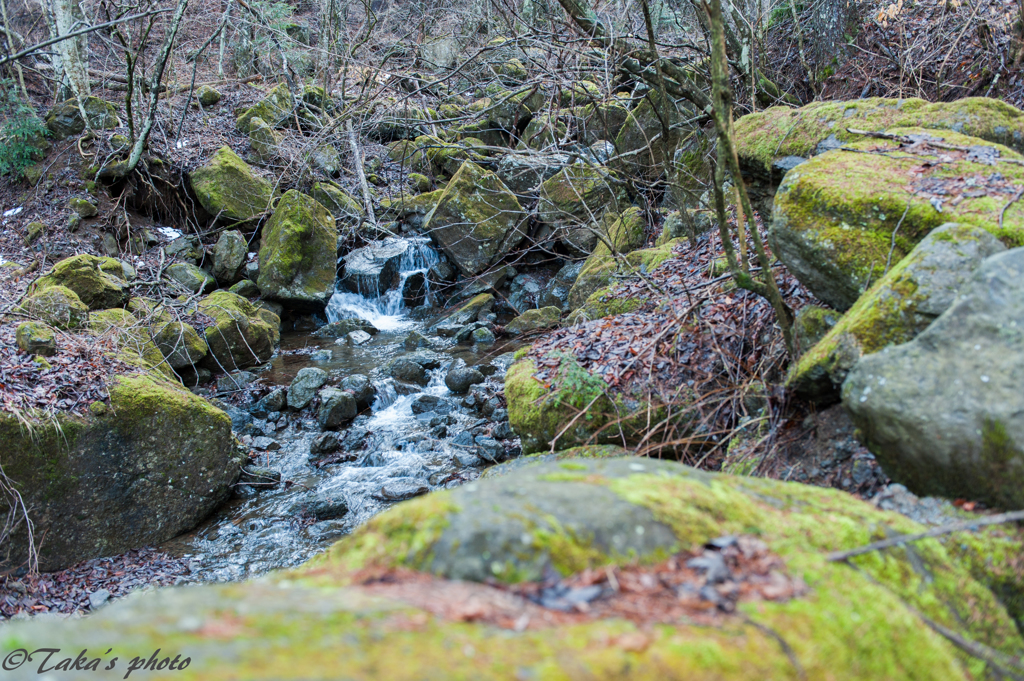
(22, 134)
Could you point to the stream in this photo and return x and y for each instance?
(395, 453)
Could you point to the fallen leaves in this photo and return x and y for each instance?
(702, 586)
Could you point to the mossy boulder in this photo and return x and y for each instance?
(842, 216)
(402, 123)
(626, 233)
(642, 145)
(603, 303)
(543, 132)
(229, 189)
(179, 342)
(596, 122)
(264, 140)
(207, 96)
(898, 307)
(298, 254)
(534, 320)
(342, 205)
(58, 306)
(65, 119)
(240, 336)
(83, 207)
(190, 277)
(411, 209)
(98, 282)
(539, 412)
(131, 339)
(866, 619)
(779, 132)
(275, 109)
(509, 108)
(36, 338)
(942, 412)
(175, 463)
(472, 310)
(477, 220)
(575, 199)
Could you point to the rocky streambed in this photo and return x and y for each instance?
(428, 414)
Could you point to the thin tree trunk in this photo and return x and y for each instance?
(74, 52)
(154, 89)
(721, 95)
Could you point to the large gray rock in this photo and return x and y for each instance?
(150, 465)
(373, 269)
(460, 379)
(229, 256)
(556, 293)
(304, 386)
(336, 408)
(898, 307)
(409, 371)
(361, 388)
(524, 173)
(190, 277)
(943, 412)
(477, 220)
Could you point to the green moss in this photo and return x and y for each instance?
(390, 539)
(239, 337)
(298, 253)
(228, 188)
(58, 306)
(476, 219)
(578, 193)
(98, 282)
(836, 216)
(782, 131)
(274, 109)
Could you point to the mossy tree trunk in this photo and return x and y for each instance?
(721, 94)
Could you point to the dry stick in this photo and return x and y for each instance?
(1012, 201)
(367, 197)
(892, 246)
(999, 519)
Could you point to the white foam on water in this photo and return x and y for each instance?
(386, 310)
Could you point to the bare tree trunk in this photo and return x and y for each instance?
(154, 89)
(74, 52)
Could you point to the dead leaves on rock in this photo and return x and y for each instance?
(703, 586)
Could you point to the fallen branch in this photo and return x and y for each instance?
(967, 525)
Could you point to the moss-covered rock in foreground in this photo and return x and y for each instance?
(229, 189)
(98, 282)
(842, 216)
(298, 254)
(861, 620)
(477, 220)
(146, 467)
(897, 308)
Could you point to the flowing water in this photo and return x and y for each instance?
(263, 530)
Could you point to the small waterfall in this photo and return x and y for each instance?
(386, 310)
